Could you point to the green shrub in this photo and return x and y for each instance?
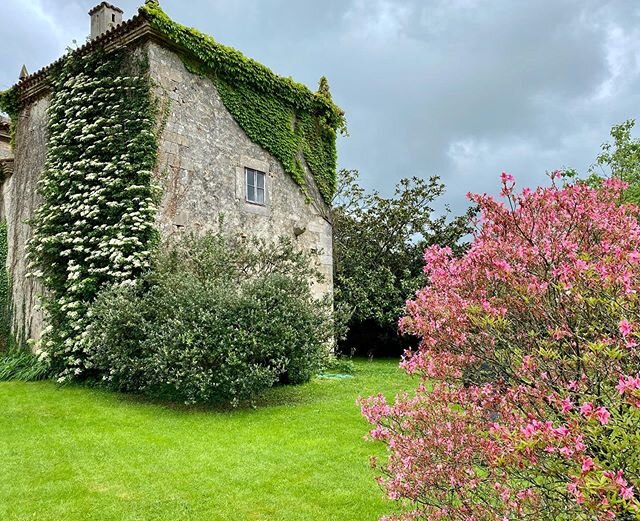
(340, 364)
(215, 321)
(23, 365)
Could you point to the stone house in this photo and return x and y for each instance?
(206, 166)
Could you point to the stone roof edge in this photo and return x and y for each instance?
(129, 32)
(122, 35)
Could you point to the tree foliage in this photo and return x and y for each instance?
(545, 302)
(620, 159)
(378, 245)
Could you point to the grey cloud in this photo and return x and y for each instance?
(460, 88)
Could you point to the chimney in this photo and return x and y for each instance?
(104, 16)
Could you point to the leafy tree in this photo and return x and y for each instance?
(621, 160)
(378, 249)
(547, 297)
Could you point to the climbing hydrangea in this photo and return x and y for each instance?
(95, 224)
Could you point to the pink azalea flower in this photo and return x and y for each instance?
(561, 431)
(502, 265)
(628, 384)
(625, 327)
(627, 492)
(506, 178)
(622, 385)
(603, 415)
(566, 452)
(619, 479)
(586, 409)
(587, 464)
(528, 431)
(566, 405)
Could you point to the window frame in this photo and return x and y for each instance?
(255, 185)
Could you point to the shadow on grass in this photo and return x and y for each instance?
(368, 373)
(308, 393)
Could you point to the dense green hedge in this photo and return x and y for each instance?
(216, 320)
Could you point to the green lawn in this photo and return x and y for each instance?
(72, 453)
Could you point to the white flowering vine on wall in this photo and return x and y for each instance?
(95, 226)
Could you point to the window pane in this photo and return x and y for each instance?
(255, 183)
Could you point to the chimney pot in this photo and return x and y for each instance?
(104, 17)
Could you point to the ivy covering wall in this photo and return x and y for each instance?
(95, 225)
(284, 117)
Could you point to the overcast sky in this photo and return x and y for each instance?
(459, 88)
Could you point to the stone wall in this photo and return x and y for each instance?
(202, 156)
(5, 147)
(20, 199)
(201, 160)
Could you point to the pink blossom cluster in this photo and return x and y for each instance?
(529, 362)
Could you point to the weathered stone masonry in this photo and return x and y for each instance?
(5, 140)
(201, 164)
(19, 202)
(202, 156)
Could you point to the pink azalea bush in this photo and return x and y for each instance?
(529, 402)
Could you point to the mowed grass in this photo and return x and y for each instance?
(74, 453)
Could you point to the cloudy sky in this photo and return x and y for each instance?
(459, 88)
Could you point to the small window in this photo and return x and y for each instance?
(255, 186)
(113, 17)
